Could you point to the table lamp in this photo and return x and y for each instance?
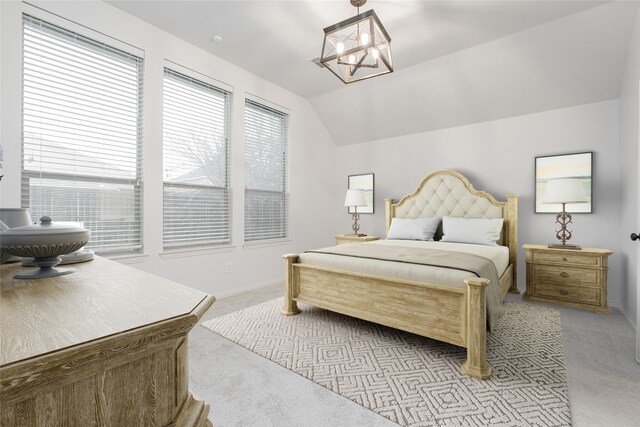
(354, 199)
(563, 191)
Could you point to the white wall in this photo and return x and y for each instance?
(498, 157)
(629, 159)
(312, 152)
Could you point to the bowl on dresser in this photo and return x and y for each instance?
(11, 218)
(44, 242)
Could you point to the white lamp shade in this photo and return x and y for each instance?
(355, 198)
(564, 191)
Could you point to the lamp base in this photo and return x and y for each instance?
(355, 235)
(565, 246)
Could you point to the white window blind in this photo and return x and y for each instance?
(196, 182)
(82, 103)
(265, 197)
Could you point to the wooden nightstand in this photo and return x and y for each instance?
(574, 278)
(343, 238)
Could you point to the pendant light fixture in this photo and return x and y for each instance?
(357, 48)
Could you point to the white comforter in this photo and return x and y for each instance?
(499, 255)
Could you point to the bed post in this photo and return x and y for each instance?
(389, 214)
(290, 306)
(511, 215)
(476, 365)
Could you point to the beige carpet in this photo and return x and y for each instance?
(412, 380)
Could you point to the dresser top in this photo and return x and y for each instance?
(100, 299)
(598, 251)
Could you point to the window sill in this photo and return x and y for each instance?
(171, 253)
(259, 244)
(127, 258)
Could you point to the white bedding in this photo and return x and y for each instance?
(499, 255)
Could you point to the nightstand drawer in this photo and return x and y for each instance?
(563, 291)
(566, 259)
(568, 275)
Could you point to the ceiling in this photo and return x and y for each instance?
(576, 60)
(276, 40)
(456, 62)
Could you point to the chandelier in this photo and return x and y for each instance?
(357, 48)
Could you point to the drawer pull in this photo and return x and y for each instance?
(563, 292)
(564, 274)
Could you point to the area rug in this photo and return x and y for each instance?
(411, 380)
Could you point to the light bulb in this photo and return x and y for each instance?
(352, 59)
(364, 38)
(340, 47)
(375, 53)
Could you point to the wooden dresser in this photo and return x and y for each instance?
(104, 346)
(574, 278)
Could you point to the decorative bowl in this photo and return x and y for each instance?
(81, 255)
(44, 242)
(10, 218)
(15, 217)
(4, 256)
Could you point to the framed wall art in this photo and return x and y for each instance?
(362, 182)
(564, 166)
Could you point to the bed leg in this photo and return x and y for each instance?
(476, 365)
(290, 306)
(513, 289)
(511, 215)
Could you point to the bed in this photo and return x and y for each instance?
(451, 309)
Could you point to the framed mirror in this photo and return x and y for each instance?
(362, 182)
(575, 166)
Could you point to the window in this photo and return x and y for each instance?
(265, 195)
(195, 162)
(82, 103)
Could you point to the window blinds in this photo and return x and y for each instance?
(266, 198)
(82, 103)
(195, 162)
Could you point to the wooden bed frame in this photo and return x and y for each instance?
(456, 315)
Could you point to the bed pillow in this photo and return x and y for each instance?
(480, 231)
(413, 228)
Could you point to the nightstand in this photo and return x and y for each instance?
(343, 238)
(573, 278)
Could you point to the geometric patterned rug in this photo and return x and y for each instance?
(412, 380)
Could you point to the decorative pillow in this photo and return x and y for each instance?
(413, 228)
(480, 231)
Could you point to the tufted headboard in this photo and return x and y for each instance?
(449, 193)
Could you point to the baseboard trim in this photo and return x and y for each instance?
(626, 316)
(633, 326)
(618, 305)
(249, 288)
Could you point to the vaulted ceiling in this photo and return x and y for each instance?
(456, 62)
